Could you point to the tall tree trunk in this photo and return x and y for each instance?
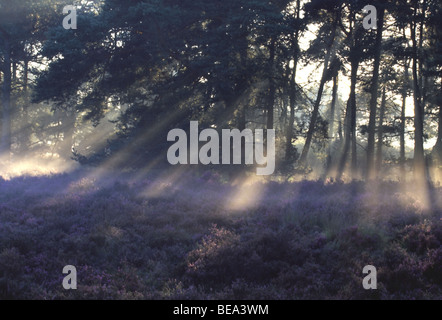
(349, 127)
(421, 60)
(340, 134)
(354, 156)
(402, 126)
(26, 128)
(331, 131)
(5, 143)
(438, 145)
(315, 112)
(347, 140)
(272, 89)
(289, 133)
(67, 117)
(370, 172)
(380, 133)
(419, 156)
(350, 116)
(290, 125)
(14, 73)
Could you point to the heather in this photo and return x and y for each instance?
(202, 235)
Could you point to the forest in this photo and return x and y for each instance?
(235, 149)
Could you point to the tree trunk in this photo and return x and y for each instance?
(370, 173)
(421, 60)
(438, 145)
(290, 125)
(380, 134)
(315, 112)
(419, 156)
(402, 126)
(340, 134)
(347, 138)
(26, 128)
(289, 133)
(14, 73)
(67, 118)
(272, 89)
(5, 144)
(331, 131)
(354, 156)
(350, 117)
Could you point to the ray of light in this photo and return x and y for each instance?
(247, 193)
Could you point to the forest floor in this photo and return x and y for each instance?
(182, 236)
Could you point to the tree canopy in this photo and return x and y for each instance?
(344, 101)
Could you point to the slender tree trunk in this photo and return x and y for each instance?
(5, 144)
(331, 131)
(315, 112)
(438, 145)
(290, 125)
(349, 127)
(354, 156)
(271, 93)
(350, 116)
(402, 126)
(340, 134)
(347, 139)
(14, 73)
(422, 61)
(67, 118)
(380, 134)
(370, 172)
(26, 129)
(419, 156)
(289, 133)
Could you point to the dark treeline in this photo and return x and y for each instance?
(133, 70)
